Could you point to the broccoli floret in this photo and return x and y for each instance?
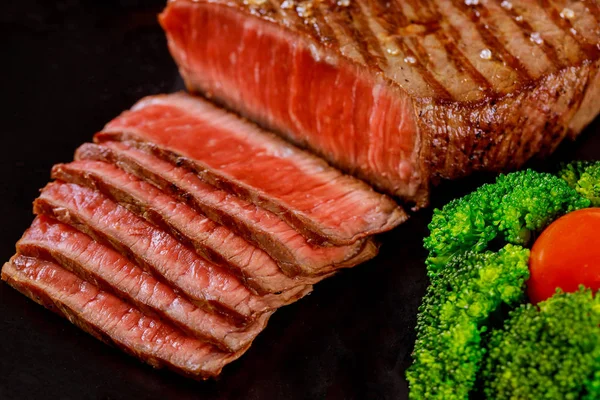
(584, 177)
(454, 315)
(510, 209)
(571, 172)
(592, 386)
(536, 199)
(548, 353)
(461, 225)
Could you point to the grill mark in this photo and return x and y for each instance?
(423, 56)
(593, 7)
(458, 58)
(390, 19)
(322, 28)
(527, 29)
(367, 39)
(493, 42)
(344, 21)
(590, 50)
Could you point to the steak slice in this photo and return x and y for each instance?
(108, 270)
(399, 93)
(211, 241)
(235, 155)
(112, 320)
(205, 284)
(294, 254)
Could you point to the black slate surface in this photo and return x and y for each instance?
(67, 67)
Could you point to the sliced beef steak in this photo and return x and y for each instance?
(235, 155)
(294, 254)
(399, 93)
(204, 283)
(112, 320)
(210, 240)
(111, 272)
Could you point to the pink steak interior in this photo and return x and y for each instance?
(286, 82)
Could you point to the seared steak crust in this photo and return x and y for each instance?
(485, 85)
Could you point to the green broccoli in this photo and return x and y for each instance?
(454, 315)
(592, 386)
(461, 225)
(548, 353)
(510, 209)
(584, 177)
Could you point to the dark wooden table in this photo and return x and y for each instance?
(70, 66)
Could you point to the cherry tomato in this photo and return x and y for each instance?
(566, 255)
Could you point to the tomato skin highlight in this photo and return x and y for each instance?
(566, 255)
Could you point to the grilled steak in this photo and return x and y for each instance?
(235, 155)
(294, 254)
(111, 272)
(400, 93)
(214, 242)
(202, 282)
(112, 320)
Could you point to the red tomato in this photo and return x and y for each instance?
(566, 255)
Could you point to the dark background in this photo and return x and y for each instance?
(68, 67)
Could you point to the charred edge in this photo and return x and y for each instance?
(35, 249)
(121, 197)
(40, 250)
(578, 98)
(303, 225)
(527, 29)
(590, 50)
(391, 18)
(492, 41)
(277, 251)
(47, 208)
(458, 58)
(368, 250)
(97, 182)
(284, 258)
(38, 295)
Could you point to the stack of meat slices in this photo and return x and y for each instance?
(178, 233)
